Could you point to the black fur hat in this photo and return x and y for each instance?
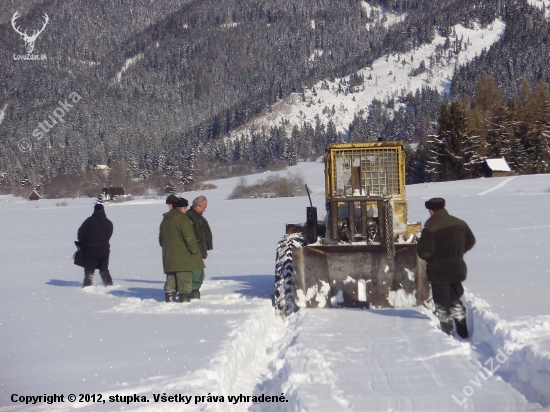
(180, 202)
(435, 203)
(171, 199)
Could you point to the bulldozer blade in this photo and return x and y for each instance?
(359, 276)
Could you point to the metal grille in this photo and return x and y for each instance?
(379, 171)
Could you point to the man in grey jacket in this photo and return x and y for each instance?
(443, 242)
(204, 238)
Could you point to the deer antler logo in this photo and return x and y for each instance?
(29, 40)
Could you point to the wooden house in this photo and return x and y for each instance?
(34, 195)
(496, 167)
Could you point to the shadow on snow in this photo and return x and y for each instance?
(143, 281)
(253, 286)
(141, 293)
(401, 313)
(70, 283)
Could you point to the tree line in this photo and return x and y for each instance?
(487, 125)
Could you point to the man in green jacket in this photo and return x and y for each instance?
(443, 242)
(204, 238)
(180, 252)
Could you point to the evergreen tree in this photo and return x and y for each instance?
(319, 137)
(307, 135)
(101, 198)
(498, 136)
(262, 154)
(538, 136)
(416, 168)
(473, 149)
(289, 151)
(358, 128)
(446, 157)
(169, 189)
(186, 172)
(331, 136)
(376, 120)
(26, 181)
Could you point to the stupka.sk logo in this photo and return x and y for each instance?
(29, 40)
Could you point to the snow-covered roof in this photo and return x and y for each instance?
(498, 165)
(34, 192)
(102, 167)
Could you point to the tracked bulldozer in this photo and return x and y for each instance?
(363, 253)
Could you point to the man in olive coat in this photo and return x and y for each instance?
(180, 252)
(443, 242)
(204, 238)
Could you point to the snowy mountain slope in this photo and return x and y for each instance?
(543, 5)
(124, 340)
(380, 15)
(387, 77)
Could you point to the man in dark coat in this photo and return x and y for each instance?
(180, 252)
(94, 235)
(443, 242)
(204, 238)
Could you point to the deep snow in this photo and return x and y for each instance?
(58, 338)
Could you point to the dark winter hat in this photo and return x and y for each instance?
(180, 202)
(435, 203)
(99, 206)
(171, 199)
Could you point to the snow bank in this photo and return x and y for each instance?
(233, 371)
(512, 350)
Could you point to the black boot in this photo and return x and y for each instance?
(184, 297)
(447, 327)
(106, 278)
(461, 328)
(170, 296)
(88, 280)
(195, 294)
(458, 312)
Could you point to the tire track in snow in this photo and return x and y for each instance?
(374, 360)
(298, 366)
(501, 184)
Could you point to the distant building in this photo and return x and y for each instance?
(105, 169)
(496, 167)
(109, 193)
(34, 195)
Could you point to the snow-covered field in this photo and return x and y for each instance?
(56, 338)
